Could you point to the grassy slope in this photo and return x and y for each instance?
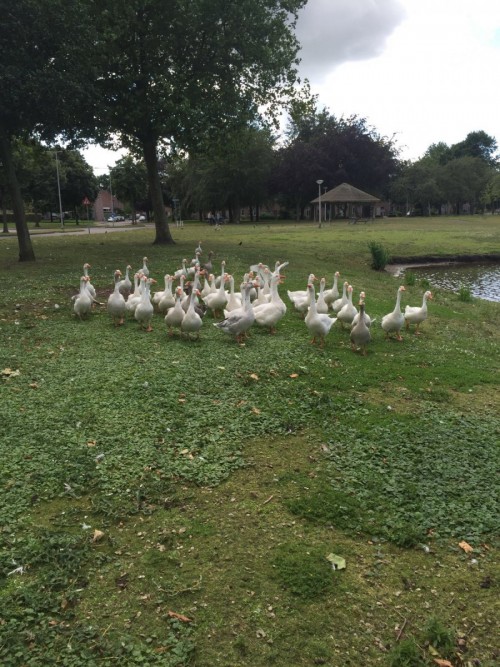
(217, 491)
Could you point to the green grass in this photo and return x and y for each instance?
(221, 476)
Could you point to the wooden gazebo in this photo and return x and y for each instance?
(348, 202)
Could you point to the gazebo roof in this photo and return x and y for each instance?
(346, 193)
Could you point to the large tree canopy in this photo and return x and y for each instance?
(45, 77)
(335, 150)
(184, 70)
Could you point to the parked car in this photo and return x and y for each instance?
(116, 218)
(141, 218)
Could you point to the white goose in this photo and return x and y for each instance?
(339, 303)
(116, 303)
(82, 305)
(261, 298)
(318, 324)
(135, 296)
(269, 314)
(125, 285)
(145, 270)
(360, 332)
(182, 271)
(218, 299)
(157, 296)
(233, 299)
(301, 294)
(176, 314)
(192, 322)
(193, 287)
(206, 285)
(368, 320)
(393, 322)
(321, 305)
(347, 313)
(239, 321)
(417, 315)
(332, 294)
(90, 288)
(167, 300)
(144, 309)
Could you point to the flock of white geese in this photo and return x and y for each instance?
(257, 302)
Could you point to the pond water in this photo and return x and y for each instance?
(483, 280)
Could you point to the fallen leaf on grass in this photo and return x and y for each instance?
(97, 536)
(465, 546)
(254, 376)
(9, 373)
(256, 411)
(294, 375)
(338, 563)
(179, 617)
(443, 663)
(240, 403)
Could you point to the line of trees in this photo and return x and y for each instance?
(447, 178)
(182, 86)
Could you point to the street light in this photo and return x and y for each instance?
(59, 192)
(112, 203)
(319, 182)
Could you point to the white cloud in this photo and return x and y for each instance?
(332, 32)
(434, 80)
(101, 159)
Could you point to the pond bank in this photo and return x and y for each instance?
(399, 264)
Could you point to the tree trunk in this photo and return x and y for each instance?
(4, 211)
(26, 253)
(163, 235)
(4, 219)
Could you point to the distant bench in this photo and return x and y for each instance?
(354, 221)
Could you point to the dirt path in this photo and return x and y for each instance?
(99, 229)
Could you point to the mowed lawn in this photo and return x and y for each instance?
(174, 502)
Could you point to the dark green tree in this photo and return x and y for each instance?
(46, 78)
(464, 180)
(232, 173)
(335, 150)
(79, 180)
(479, 145)
(180, 71)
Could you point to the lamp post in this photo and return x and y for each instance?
(112, 203)
(61, 217)
(319, 182)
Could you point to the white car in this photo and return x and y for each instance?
(141, 218)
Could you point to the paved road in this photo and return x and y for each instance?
(98, 229)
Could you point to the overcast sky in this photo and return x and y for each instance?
(422, 70)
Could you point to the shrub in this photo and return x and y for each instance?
(465, 295)
(406, 654)
(410, 278)
(380, 256)
(437, 635)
